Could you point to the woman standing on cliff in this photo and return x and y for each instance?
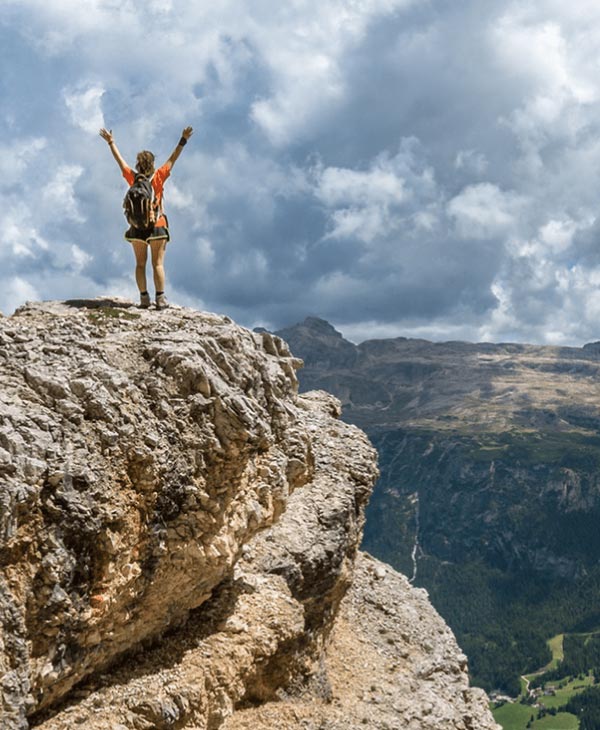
(156, 235)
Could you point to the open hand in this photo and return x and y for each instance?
(187, 132)
(106, 134)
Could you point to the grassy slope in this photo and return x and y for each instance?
(555, 644)
(561, 721)
(564, 694)
(514, 716)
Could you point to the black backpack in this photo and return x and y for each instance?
(138, 204)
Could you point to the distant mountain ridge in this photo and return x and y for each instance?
(398, 368)
(489, 494)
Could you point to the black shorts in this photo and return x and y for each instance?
(153, 233)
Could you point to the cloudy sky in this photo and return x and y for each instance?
(399, 167)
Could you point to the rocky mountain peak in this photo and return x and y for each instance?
(179, 532)
(322, 344)
(317, 329)
(321, 326)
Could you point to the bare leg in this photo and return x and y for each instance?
(158, 248)
(140, 248)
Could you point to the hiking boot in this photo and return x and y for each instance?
(161, 301)
(144, 301)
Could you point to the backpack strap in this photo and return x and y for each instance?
(159, 207)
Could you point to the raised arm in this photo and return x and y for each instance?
(107, 135)
(185, 135)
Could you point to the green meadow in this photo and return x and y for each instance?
(518, 716)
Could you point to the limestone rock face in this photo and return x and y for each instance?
(391, 664)
(178, 527)
(138, 455)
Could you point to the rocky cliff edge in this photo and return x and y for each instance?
(178, 534)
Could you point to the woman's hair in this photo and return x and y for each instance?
(145, 162)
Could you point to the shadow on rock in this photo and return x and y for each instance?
(104, 303)
(162, 653)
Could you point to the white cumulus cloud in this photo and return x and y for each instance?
(59, 196)
(14, 292)
(484, 211)
(85, 108)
